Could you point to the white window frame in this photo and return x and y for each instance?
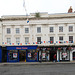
(17, 40)
(17, 30)
(8, 30)
(26, 30)
(38, 29)
(27, 40)
(8, 40)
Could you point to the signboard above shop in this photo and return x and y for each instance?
(20, 47)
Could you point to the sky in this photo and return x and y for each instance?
(15, 7)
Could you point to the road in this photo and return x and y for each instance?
(53, 69)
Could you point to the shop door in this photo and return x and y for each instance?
(52, 53)
(22, 55)
(73, 55)
(4, 55)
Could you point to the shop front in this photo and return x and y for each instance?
(63, 54)
(47, 53)
(22, 53)
(0, 54)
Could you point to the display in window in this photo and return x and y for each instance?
(14, 55)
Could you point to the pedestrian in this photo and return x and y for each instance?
(40, 58)
(54, 57)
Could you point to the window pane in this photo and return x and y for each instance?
(26, 30)
(70, 39)
(70, 28)
(51, 29)
(60, 29)
(51, 40)
(26, 39)
(38, 40)
(8, 40)
(38, 29)
(17, 30)
(61, 39)
(17, 40)
(8, 31)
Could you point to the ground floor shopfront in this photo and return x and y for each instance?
(21, 54)
(32, 53)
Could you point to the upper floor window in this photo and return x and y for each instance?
(60, 39)
(8, 40)
(70, 39)
(51, 29)
(60, 29)
(51, 40)
(17, 30)
(8, 31)
(26, 30)
(38, 29)
(38, 40)
(26, 39)
(17, 40)
(70, 28)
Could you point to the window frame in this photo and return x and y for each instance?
(38, 29)
(17, 30)
(51, 30)
(60, 28)
(26, 30)
(8, 30)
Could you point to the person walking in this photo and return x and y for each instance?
(40, 58)
(54, 57)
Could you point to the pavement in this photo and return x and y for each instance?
(35, 63)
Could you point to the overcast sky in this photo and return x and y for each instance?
(15, 7)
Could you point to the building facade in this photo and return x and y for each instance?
(53, 34)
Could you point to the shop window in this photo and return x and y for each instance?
(31, 55)
(13, 55)
(8, 31)
(64, 55)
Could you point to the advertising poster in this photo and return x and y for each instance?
(43, 55)
(29, 55)
(14, 55)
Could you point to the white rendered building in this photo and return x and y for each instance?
(49, 30)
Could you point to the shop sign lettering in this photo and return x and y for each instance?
(21, 47)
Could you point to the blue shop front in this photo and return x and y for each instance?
(22, 53)
(0, 54)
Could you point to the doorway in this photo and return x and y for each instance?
(22, 55)
(4, 55)
(52, 53)
(73, 55)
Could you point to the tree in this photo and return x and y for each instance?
(37, 15)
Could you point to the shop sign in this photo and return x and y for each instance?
(29, 54)
(14, 55)
(21, 47)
